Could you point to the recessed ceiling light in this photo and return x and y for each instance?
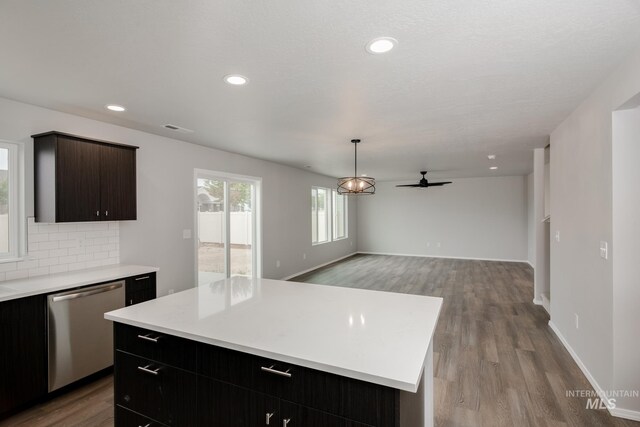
(236, 79)
(115, 107)
(364, 174)
(493, 168)
(381, 45)
(491, 157)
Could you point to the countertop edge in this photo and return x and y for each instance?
(17, 294)
(395, 384)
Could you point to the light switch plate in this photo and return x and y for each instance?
(558, 236)
(186, 234)
(604, 250)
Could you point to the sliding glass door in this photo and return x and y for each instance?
(226, 224)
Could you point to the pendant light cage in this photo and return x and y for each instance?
(356, 185)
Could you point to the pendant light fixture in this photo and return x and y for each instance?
(356, 185)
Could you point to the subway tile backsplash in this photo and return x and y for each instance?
(57, 248)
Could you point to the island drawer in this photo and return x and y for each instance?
(127, 418)
(158, 391)
(353, 399)
(156, 346)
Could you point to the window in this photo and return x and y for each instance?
(328, 215)
(11, 203)
(339, 215)
(319, 215)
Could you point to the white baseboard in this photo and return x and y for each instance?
(546, 303)
(442, 256)
(318, 266)
(532, 266)
(596, 387)
(537, 301)
(625, 413)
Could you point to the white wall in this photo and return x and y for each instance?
(626, 238)
(581, 201)
(531, 222)
(472, 218)
(165, 197)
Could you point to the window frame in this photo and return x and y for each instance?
(327, 209)
(256, 205)
(331, 215)
(16, 202)
(345, 215)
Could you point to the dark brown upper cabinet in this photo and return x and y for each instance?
(80, 179)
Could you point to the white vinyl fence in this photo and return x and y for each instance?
(211, 227)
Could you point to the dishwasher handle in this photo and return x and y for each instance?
(87, 292)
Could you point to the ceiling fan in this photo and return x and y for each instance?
(423, 183)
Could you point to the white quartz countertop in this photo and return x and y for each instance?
(55, 282)
(379, 337)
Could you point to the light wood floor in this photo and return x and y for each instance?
(497, 363)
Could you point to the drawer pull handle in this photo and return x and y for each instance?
(142, 278)
(147, 425)
(149, 371)
(268, 418)
(286, 422)
(275, 371)
(149, 338)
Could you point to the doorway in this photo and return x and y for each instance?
(227, 226)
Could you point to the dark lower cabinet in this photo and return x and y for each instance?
(140, 288)
(160, 392)
(297, 415)
(175, 381)
(127, 418)
(23, 347)
(222, 404)
(228, 405)
(23, 352)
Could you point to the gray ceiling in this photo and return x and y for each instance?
(468, 78)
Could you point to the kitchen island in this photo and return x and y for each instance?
(253, 352)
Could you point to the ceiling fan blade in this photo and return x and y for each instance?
(438, 184)
(408, 185)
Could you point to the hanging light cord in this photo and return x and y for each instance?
(355, 164)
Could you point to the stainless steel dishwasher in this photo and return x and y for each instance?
(80, 339)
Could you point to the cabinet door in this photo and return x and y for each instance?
(118, 183)
(222, 404)
(23, 352)
(140, 288)
(127, 418)
(77, 180)
(294, 415)
(155, 390)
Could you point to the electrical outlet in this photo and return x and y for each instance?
(604, 250)
(170, 291)
(186, 234)
(278, 264)
(577, 320)
(557, 235)
(304, 256)
(428, 244)
(439, 244)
